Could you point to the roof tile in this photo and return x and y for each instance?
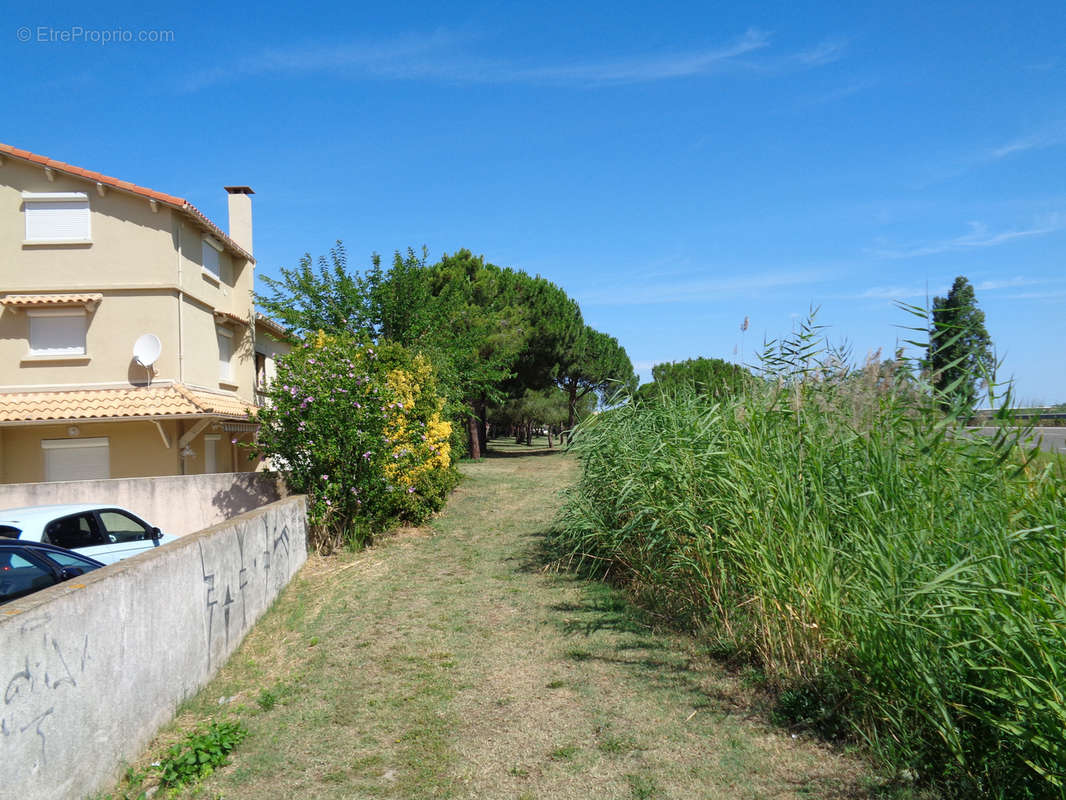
(169, 400)
(178, 202)
(61, 299)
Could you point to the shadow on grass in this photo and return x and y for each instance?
(494, 452)
(604, 626)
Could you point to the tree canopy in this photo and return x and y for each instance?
(959, 355)
(593, 362)
(491, 333)
(708, 376)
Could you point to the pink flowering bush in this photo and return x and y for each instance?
(357, 428)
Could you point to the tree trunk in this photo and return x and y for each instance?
(472, 437)
(571, 410)
(549, 437)
(482, 425)
(529, 434)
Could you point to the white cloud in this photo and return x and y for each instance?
(1046, 295)
(825, 52)
(640, 70)
(446, 56)
(1006, 283)
(1048, 137)
(834, 95)
(899, 292)
(699, 289)
(993, 285)
(978, 237)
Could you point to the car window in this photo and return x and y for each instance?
(70, 560)
(14, 561)
(71, 532)
(21, 577)
(119, 527)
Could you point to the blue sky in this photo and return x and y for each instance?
(675, 167)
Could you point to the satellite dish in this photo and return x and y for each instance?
(147, 349)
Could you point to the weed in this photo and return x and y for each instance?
(564, 753)
(267, 699)
(613, 745)
(642, 787)
(199, 754)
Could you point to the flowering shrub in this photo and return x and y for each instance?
(357, 428)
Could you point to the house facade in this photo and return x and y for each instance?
(89, 266)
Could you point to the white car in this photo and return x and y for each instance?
(106, 533)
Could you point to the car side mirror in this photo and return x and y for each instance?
(157, 534)
(67, 573)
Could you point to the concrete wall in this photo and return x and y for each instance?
(93, 667)
(177, 504)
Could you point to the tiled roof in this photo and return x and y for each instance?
(79, 299)
(168, 199)
(152, 402)
(272, 327)
(226, 317)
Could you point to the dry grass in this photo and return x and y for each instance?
(446, 662)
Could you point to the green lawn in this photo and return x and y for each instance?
(448, 662)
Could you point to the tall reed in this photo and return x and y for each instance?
(841, 529)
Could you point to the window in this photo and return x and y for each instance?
(260, 371)
(119, 527)
(71, 564)
(72, 532)
(211, 252)
(225, 353)
(56, 217)
(57, 332)
(76, 459)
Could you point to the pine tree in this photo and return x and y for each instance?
(959, 357)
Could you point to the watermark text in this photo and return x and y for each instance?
(77, 34)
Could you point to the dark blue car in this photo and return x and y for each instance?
(27, 567)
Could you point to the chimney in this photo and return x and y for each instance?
(240, 215)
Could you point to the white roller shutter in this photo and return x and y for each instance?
(225, 353)
(57, 333)
(76, 459)
(57, 217)
(210, 257)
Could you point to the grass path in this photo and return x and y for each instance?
(446, 663)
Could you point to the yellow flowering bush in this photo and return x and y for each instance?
(357, 428)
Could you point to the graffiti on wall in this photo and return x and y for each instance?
(47, 670)
(232, 585)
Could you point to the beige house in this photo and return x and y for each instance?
(90, 265)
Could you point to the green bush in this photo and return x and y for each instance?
(888, 572)
(358, 429)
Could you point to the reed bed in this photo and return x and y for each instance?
(894, 578)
